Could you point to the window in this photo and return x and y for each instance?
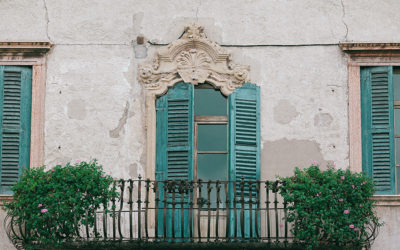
(15, 114)
(202, 120)
(367, 59)
(202, 134)
(22, 91)
(380, 117)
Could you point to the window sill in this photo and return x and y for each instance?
(387, 200)
(5, 198)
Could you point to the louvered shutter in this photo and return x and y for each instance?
(244, 126)
(377, 127)
(175, 133)
(15, 117)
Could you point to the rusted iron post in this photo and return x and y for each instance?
(121, 204)
(130, 202)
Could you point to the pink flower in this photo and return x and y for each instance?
(341, 199)
(40, 205)
(356, 229)
(318, 194)
(102, 175)
(363, 182)
(314, 163)
(342, 177)
(346, 211)
(52, 169)
(353, 186)
(351, 226)
(44, 210)
(361, 205)
(78, 161)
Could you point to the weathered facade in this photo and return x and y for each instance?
(92, 105)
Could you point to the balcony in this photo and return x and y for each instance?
(188, 211)
(176, 211)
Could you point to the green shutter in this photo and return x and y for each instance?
(244, 126)
(244, 155)
(15, 118)
(175, 133)
(174, 153)
(377, 127)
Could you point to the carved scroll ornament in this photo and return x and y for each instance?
(193, 59)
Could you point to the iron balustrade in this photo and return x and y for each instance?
(188, 211)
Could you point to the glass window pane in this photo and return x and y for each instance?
(212, 166)
(208, 101)
(396, 84)
(397, 121)
(211, 137)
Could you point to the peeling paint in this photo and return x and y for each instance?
(115, 133)
(77, 109)
(322, 120)
(282, 156)
(284, 112)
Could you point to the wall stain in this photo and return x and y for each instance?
(282, 156)
(115, 132)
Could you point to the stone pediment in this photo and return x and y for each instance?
(193, 59)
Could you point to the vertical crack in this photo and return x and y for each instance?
(47, 21)
(197, 11)
(343, 17)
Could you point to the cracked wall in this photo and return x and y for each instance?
(95, 107)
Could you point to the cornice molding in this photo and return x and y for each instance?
(193, 59)
(24, 48)
(369, 47)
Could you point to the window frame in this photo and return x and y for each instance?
(359, 55)
(31, 54)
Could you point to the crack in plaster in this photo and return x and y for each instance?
(47, 21)
(197, 11)
(115, 132)
(343, 17)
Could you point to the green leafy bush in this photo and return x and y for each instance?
(53, 203)
(331, 207)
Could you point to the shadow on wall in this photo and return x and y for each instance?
(282, 156)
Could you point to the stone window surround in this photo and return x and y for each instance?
(365, 54)
(193, 59)
(31, 54)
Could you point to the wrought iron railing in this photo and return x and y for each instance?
(189, 211)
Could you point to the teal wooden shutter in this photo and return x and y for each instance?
(244, 154)
(174, 156)
(244, 127)
(377, 127)
(175, 133)
(15, 119)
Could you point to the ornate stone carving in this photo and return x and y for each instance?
(193, 59)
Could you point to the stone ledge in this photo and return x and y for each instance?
(358, 47)
(387, 200)
(5, 198)
(24, 48)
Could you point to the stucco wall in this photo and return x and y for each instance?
(95, 106)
